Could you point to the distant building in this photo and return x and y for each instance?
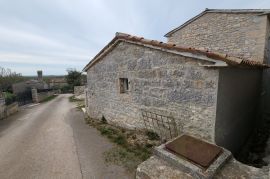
(57, 82)
(27, 85)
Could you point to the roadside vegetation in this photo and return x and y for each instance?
(49, 98)
(9, 98)
(79, 102)
(7, 78)
(132, 146)
(74, 78)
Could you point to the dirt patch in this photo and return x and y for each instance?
(133, 146)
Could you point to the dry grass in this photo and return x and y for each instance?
(133, 147)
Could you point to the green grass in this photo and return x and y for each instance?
(49, 98)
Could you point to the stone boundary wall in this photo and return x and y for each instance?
(38, 97)
(8, 110)
(44, 95)
(12, 108)
(2, 108)
(78, 90)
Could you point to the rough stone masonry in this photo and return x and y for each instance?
(158, 81)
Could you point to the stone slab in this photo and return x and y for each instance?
(189, 167)
(190, 148)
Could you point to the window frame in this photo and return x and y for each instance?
(123, 85)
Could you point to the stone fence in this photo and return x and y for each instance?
(7, 110)
(38, 97)
(79, 90)
(2, 108)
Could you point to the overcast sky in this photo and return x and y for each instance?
(53, 35)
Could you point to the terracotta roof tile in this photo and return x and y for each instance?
(230, 60)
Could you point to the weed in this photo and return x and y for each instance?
(132, 148)
(103, 120)
(121, 156)
(152, 135)
(74, 99)
(107, 131)
(49, 98)
(120, 140)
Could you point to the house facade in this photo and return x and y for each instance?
(240, 33)
(243, 33)
(206, 93)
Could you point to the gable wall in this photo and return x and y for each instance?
(160, 82)
(234, 34)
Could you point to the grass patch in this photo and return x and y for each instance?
(133, 147)
(152, 135)
(79, 102)
(73, 99)
(49, 98)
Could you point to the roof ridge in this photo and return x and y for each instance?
(238, 10)
(173, 47)
(262, 11)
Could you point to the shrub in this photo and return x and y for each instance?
(9, 98)
(152, 135)
(66, 89)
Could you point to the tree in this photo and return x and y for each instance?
(74, 77)
(7, 78)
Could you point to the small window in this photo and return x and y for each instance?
(123, 85)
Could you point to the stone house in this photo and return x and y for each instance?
(207, 93)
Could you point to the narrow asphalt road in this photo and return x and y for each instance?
(51, 140)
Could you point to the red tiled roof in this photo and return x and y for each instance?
(172, 47)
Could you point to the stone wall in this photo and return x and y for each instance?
(44, 95)
(2, 108)
(79, 90)
(235, 34)
(237, 106)
(160, 82)
(12, 108)
(8, 110)
(39, 97)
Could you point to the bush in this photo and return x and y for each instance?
(152, 135)
(66, 89)
(9, 98)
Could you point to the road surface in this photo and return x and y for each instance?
(51, 140)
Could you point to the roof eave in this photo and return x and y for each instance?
(262, 11)
(172, 48)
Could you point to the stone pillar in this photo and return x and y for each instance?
(2, 107)
(34, 95)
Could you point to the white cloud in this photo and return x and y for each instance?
(55, 33)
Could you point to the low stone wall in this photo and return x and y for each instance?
(11, 109)
(8, 110)
(79, 90)
(2, 109)
(38, 97)
(44, 95)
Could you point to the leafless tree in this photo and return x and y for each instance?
(7, 78)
